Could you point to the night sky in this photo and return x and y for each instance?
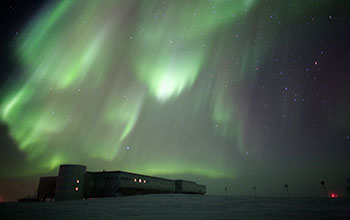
(232, 94)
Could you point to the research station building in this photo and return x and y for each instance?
(75, 182)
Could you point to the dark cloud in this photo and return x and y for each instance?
(11, 158)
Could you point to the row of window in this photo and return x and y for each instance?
(111, 178)
(139, 180)
(128, 179)
(135, 180)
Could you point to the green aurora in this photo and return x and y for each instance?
(141, 85)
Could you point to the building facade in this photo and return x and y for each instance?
(75, 182)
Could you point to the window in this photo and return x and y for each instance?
(78, 181)
(77, 189)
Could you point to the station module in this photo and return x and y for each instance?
(75, 182)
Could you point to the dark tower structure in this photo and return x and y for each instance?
(70, 182)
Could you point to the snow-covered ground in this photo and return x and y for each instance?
(178, 206)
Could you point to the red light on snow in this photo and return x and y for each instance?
(334, 195)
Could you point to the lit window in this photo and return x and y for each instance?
(78, 181)
(76, 188)
(140, 180)
(135, 180)
(144, 181)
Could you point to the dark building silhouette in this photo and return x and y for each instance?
(74, 182)
(46, 189)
